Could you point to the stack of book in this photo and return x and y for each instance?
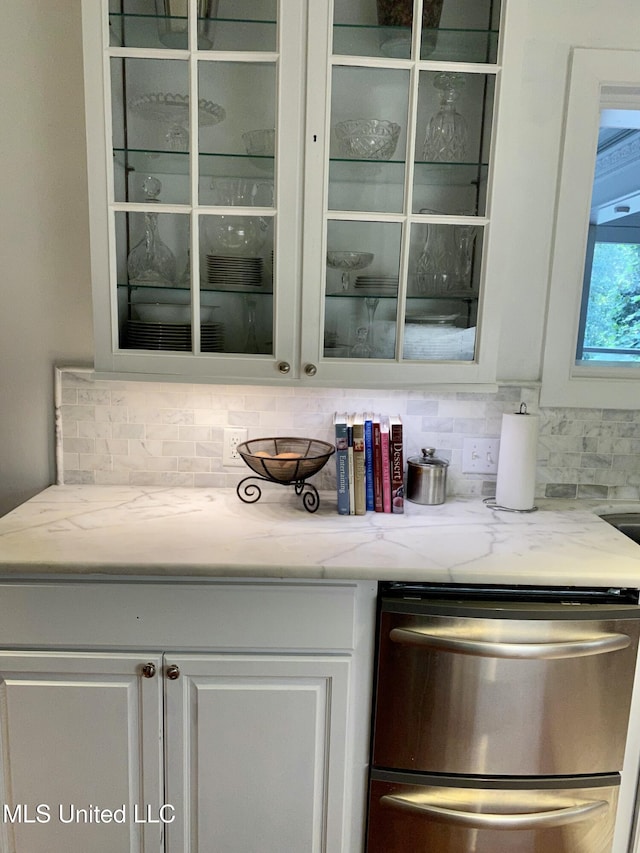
(369, 463)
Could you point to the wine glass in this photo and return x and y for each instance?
(465, 236)
(251, 343)
(364, 346)
(348, 262)
(371, 303)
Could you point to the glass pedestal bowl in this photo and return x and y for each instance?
(348, 262)
(173, 111)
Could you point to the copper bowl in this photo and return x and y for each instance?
(286, 460)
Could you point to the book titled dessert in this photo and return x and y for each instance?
(396, 464)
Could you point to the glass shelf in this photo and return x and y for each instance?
(177, 163)
(392, 172)
(457, 297)
(438, 45)
(450, 174)
(257, 291)
(128, 29)
(343, 169)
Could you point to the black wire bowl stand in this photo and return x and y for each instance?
(303, 457)
(249, 491)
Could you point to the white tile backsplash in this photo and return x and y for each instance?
(152, 433)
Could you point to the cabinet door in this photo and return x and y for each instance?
(80, 734)
(248, 760)
(398, 198)
(197, 226)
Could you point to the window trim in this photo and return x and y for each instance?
(565, 383)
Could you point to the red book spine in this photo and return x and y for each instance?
(386, 468)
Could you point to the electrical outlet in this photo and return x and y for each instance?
(480, 455)
(233, 436)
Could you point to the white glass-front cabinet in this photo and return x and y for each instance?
(323, 215)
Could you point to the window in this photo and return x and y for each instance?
(592, 342)
(609, 327)
(610, 318)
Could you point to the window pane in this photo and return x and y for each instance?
(609, 329)
(150, 127)
(458, 30)
(612, 321)
(368, 139)
(361, 294)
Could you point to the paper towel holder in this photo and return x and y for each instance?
(490, 503)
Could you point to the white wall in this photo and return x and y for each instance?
(45, 299)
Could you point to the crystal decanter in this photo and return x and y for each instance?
(446, 137)
(151, 262)
(435, 267)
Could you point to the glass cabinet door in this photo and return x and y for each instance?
(199, 92)
(410, 90)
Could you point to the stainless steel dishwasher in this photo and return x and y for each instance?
(500, 718)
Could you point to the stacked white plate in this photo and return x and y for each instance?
(377, 285)
(212, 337)
(234, 272)
(438, 342)
(432, 319)
(173, 336)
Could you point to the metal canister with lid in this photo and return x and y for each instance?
(427, 478)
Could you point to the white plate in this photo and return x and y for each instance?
(227, 265)
(432, 319)
(241, 279)
(234, 260)
(232, 287)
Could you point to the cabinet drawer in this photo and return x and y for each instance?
(228, 615)
(509, 816)
(504, 695)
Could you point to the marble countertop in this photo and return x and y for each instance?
(173, 532)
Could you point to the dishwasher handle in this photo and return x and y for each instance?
(535, 820)
(582, 647)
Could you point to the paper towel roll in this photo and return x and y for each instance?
(516, 482)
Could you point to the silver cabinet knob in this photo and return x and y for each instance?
(173, 672)
(284, 367)
(149, 670)
(310, 369)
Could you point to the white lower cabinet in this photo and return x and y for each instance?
(79, 733)
(254, 745)
(184, 749)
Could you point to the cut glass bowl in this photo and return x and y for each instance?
(260, 143)
(367, 139)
